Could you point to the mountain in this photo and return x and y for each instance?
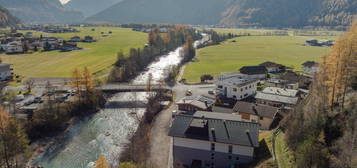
(90, 7)
(263, 13)
(164, 11)
(41, 11)
(6, 19)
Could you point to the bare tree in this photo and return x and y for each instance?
(30, 83)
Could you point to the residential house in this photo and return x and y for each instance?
(212, 140)
(75, 39)
(50, 43)
(280, 83)
(293, 77)
(236, 86)
(14, 47)
(5, 72)
(255, 72)
(193, 104)
(88, 39)
(258, 113)
(277, 97)
(310, 67)
(273, 67)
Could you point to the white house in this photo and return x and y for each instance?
(310, 67)
(212, 140)
(278, 97)
(236, 86)
(14, 47)
(5, 72)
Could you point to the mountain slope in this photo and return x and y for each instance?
(90, 7)
(265, 13)
(6, 19)
(164, 11)
(41, 11)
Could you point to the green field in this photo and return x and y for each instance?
(98, 56)
(252, 50)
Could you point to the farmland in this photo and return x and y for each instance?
(231, 55)
(98, 56)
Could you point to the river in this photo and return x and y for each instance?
(107, 132)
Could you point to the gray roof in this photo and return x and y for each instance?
(276, 98)
(281, 91)
(4, 67)
(216, 115)
(256, 109)
(215, 130)
(199, 101)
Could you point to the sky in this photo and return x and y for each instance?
(64, 1)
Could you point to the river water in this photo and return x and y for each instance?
(107, 132)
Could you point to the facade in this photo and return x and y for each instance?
(254, 72)
(193, 104)
(258, 113)
(14, 47)
(310, 67)
(211, 142)
(5, 72)
(273, 67)
(236, 86)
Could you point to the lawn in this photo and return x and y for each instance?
(252, 50)
(98, 56)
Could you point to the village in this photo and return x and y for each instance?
(221, 128)
(15, 42)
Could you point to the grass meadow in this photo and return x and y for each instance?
(98, 56)
(230, 56)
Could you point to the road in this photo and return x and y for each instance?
(160, 142)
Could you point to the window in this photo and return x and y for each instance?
(230, 149)
(237, 158)
(241, 89)
(220, 86)
(261, 118)
(229, 157)
(246, 87)
(212, 146)
(241, 97)
(234, 89)
(250, 86)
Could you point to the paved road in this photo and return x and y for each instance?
(160, 142)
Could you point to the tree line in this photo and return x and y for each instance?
(128, 66)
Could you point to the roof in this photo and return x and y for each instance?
(270, 64)
(236, 79)
(281, 91)
(253, 70)
(310, 64)
(256, 109)
(199, 101)
(215, 130)
(216, 115)
(222, 109)
(276, 98)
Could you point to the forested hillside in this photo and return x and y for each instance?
(90, 7)
(264, 13)
(322, 132)
(6, 19)
(41, 11)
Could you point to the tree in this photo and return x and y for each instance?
(77, 81)
(29, 85)
(13, 140)
(101, 163)
(87, 80)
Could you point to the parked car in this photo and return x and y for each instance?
(189, 93)
(28, 102)
(19, 97)
(38, 100)
(211, 92)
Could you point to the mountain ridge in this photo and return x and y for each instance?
(6, 19)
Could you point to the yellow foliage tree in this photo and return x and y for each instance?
(101, 163)
(77, 80)
(87, 79)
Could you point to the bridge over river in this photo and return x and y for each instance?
(120, 87)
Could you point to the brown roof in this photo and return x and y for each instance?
(256, 109)
(270, 64)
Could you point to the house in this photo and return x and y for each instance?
(276, 100)
(50, 43)
(5, 72)
(310, 67)
(88, 39)
(281, 91)
(14, 47)
(75, 39)
(280, 83)
(254, 72)
(258, 113)
(193, 104)
(212, 140)
(236, 86)
(273, 67)
(293, 77)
